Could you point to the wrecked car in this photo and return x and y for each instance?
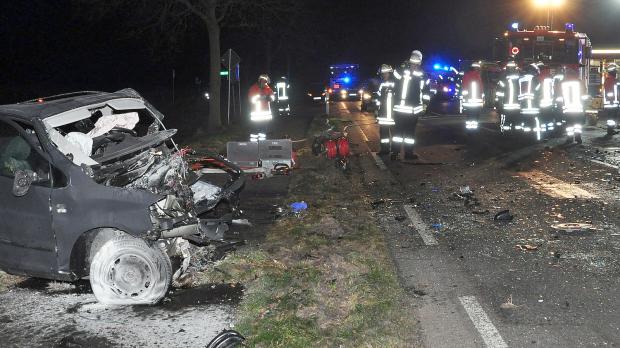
(93, 186)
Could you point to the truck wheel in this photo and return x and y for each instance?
(128, 271)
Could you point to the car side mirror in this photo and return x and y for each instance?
(22, 182)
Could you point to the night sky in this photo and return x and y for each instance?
(57, 46)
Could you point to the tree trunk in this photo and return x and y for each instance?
(215, 118)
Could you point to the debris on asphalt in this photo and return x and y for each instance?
(573, 228)
(227, 339)
(400, 218)
(503, 215)
(466, 191)
(377, 203)
(508, 305)
(527, 247)
(298, 207)
(437, 226)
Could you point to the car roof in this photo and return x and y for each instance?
(45, 107)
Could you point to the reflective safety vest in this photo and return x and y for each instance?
(410, 95)
(528, 87)
(573, 95)
(508, 92)
(386, 103)
(261, 99)
(611, 92)
(282, 90)
(473, 90)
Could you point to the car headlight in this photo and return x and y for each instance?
(367, 96)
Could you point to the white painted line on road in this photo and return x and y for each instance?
(343, 108)
(420, 226)
(483, 324)
(604, 164)
(379, 161)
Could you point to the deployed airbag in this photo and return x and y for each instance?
(108, 122)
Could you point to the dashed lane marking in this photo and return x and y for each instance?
(483, 324)
(555, 187)
(420, 226)
(379, 161)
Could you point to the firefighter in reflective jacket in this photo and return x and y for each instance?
(546, 98)
(610, 100)
(282, 97)
(571, 103)
(385, 103)
(261, 96)
(411, 96)
(507, 96)
(529, 96)
(472, 96)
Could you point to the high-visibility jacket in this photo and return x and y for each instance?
(260, 100)
(473, 90)
(386, 102)
(508, 92)
(411, 91)
(529, 89)
(611, 92)
(546, 98)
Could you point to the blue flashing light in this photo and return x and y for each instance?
(346, 79)
(570, 26)
(437, 66)
(446, 68)
(515, 26)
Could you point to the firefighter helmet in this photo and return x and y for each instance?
(476, 65)
(416, 57)
(264, 77)
(386, 69)
(612, 67)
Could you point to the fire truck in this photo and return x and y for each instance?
(343, 82)
(562, 52)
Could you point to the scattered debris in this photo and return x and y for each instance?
(508, 305)
(573, 228)
(503, 215)
(437, 226)
(400, 218)
(466, 191)
(227, 339)
(298, 207)
(377, 203)
(527, 247)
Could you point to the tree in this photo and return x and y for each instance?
(172, 18)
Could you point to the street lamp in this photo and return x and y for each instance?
(550, 5)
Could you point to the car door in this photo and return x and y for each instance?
(27, 243)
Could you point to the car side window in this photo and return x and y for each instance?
(17, 154)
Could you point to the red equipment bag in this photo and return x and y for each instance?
(343, 147)
(332, 149)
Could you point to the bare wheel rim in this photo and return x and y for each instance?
(130, 275)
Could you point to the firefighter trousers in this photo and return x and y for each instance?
(385, 138)
(403, 133)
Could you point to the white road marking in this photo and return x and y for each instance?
(483, 324)
(379, 161)
(604, 164)
(555, 187)
(420, 226)
(343, 108)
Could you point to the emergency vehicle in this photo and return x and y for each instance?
(343, 82)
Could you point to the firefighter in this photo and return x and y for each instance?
(385, 103)
(571, 103)
(411, 97)
(261, 96)
(472, 96)
(546, 98)
(282, 97)
(610, 100)
(529, 88)
(508, 98)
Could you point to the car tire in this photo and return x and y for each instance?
(128, 271)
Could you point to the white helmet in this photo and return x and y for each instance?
(476, 64)
(264, 77)
(386, 69)
(416, 57)
(612, 67)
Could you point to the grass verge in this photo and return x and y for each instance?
(324, 278)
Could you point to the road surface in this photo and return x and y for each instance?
(484, 283)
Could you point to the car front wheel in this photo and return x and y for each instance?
(128, 271)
